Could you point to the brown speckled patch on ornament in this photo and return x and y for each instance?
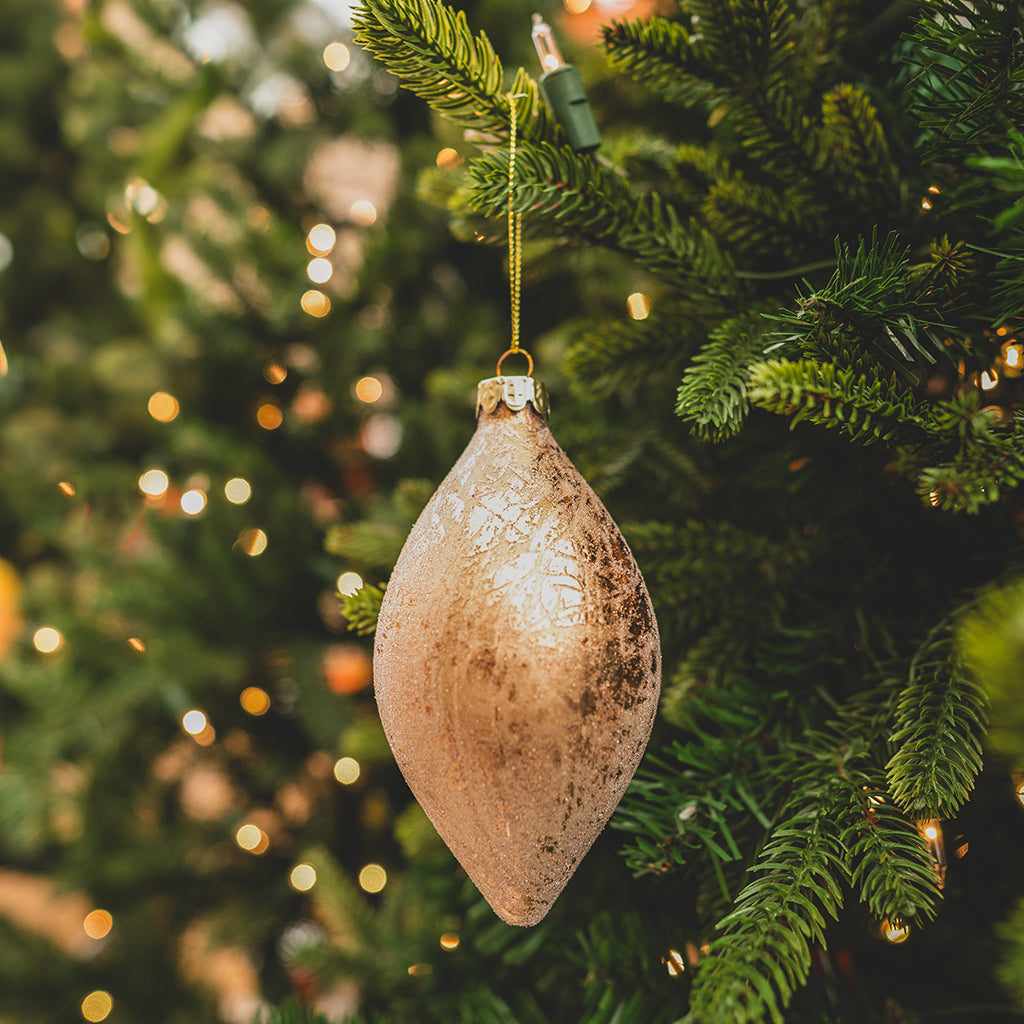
(517, 664)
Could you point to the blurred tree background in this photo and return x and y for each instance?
(247, 286)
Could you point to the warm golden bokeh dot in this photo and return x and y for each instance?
(163, 407)
(369, 389)
(255, 701)
(206, 737)
(67, 488)
(320, 240)
(346, 770)
(96, 1006)
(417, 970)
(97, 924)
(47, 640)
(337, 56)
(450, 941)
(577, 6)
(154, 483)
(303, 877)
(238, 490)
(349, 583)
(136, 644)
(639, 306)
(274, 372)
(448, 159)
(895, 931)
(269, 416)
(253, 542)
(252, 838)
(373, 878)
(315, 303)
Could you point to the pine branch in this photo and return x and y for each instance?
(362, 609)
(575, 194)
(868, 411)
(940, 721)
(615, 356)
(971, 54)
(713, 394)
(432, 49)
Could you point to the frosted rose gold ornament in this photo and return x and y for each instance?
(517, 663)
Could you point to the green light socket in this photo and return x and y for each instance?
(563, 92)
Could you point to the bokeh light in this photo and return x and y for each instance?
(255, 701)
(96, 1006)
(253, 542)
(269, 416)
(346, 770)
(47, 640)
(895, 931)
(238, 490)
(577, 6)
(349, 583)
(163, 407)
(674, 963)
(97, 924)
(274, 372)
(320, 240)
(315, 303)
(252, 838)
(193, 502)
(194, 722)
(448, 159)
(450, 941)
(372, 878)
(639, 306)
(67, 488)
(369, 389)
(303, 877)
(319, 270)
(136, 644)
(363, 213)
(154, 483)
(337, 56)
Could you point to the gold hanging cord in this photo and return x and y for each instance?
(515, 240)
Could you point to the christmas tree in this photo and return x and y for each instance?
(248, 288)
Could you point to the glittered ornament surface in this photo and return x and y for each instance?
(517, 663)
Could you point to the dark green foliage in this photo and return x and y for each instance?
(362, 609)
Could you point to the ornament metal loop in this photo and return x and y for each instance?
(514, 352)
(515, 392)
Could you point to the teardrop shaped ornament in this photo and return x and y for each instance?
(517, 664)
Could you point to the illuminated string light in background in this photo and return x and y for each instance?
(320, 240)
(369, 389)
(194, 722)
(1020, 792)
(97, 924)
(346, 770)
(989, 379)
(255, 701)
(417, 970)
(154, 483)
(253, 542)
(67, 488)
(269, 415)
(349, 583)
(639, 306)
(577, 6)
(163, 407)
(238, 490)
(4, 365)
(319, 270)
(372, 878)
(274, 372)
(303, 877)
(895, 931)
(315, 303)
(136, 644)
(96, 1006)
(47, 640)
(674, 963)
(193, 502)
(448, 159)
(337, 56)
(252, 839)
(449, 941)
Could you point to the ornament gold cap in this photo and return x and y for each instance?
(515, 392)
